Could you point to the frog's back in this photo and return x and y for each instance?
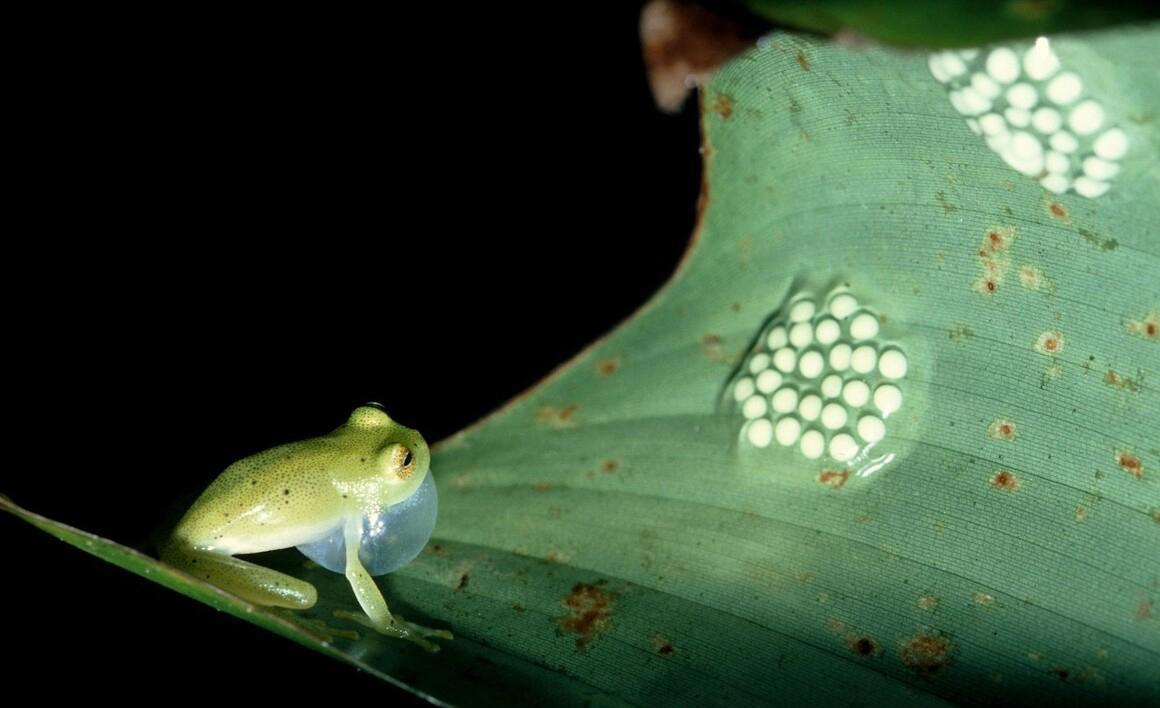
(277, 498)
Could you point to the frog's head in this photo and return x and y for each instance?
(401, 452)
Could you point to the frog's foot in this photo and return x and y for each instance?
(400, 629)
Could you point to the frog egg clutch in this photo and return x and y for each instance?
(821, 380)
(391, 537)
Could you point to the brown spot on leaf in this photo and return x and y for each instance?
(993, 258)
(947, 207)
(1058, 211)
(998, 239)
(986, 285)
(1148, 328)
(662, 645)
(711, 343)
(1006, 480)
(608, 367)
(589, 612)
(1122, 382)
(1156, 515)
(1144, 609)
(960, 332)
(1081, 513)
(557, 417)
(927, 602)
(926, 654)
(518, 607)
(1049, 342)
(801, 60)
(723, 106)
(1032, 278)
(464, 578)
(862, 646)
(1130, 464)
(982, 598)
(436, 549)
(609, 466)
(834, 478)
(1002, 429)
(543, 486)
(1104, 244)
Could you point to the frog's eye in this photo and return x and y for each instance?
(402, 461)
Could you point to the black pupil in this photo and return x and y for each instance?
(407, 459)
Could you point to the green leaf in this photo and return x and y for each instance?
(949, 23)
(613, 537)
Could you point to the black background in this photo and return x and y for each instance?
(229, 231)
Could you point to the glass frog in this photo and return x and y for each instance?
(359, 501)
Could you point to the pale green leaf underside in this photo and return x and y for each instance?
(716, 574)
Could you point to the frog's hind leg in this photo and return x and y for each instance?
(254, 583)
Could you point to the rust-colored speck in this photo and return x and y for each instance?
(834, 478)
(993, 258)
(960, 332)
(1156, 515)
(589, 612)
(723, 106)
(986, 285)
(862, 646)
(1049, 342)
(711, 343)
(1002, 429)
(544, 486)
(925, 654)
(1124, 383)
(802, 61)
(608, 367)
(1147, 328)
(518, 607)
(557, 416)
(1144, 609)
(1006, 480)
(436, 549)
(609, 466)
(1104, 244)
(462, 584)
(662, 645)
(1056, 209)
(1130, 464)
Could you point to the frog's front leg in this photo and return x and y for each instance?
(371, 600)
(254, 583)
